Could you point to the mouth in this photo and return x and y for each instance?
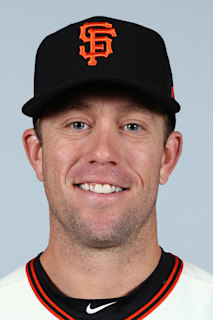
(100, 189)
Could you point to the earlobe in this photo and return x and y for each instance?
(34, 151)
(171, 154)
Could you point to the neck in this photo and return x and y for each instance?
(109, 273)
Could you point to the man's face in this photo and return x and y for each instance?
(105, 140)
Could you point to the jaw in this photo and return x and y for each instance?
(101, 222)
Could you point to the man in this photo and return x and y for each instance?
(103, 141)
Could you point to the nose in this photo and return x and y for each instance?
(104, 147)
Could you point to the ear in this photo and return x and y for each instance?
(34, 151)
(171, 154)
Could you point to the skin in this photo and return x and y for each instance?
(106, 244)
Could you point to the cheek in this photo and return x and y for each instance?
(58, 158)
(145, 162)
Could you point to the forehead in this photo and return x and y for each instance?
(105, 101)
(87, 99)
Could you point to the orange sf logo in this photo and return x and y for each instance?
(106, 28)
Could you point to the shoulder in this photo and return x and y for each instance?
(191, 297)
(12, 288)
(13, 278)
(198, 276)
(13, 285)
(17, 299)
(194, 291)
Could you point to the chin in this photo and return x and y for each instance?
(103, 236)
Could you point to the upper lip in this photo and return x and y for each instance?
(100, 181)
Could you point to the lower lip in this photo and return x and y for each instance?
(102, 196)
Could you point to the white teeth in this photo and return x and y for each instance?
(86, 186)
(98, 188)
(106, 188)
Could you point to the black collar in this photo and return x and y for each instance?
(136, 305)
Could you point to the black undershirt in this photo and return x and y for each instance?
(124, 306)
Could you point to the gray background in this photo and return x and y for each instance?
(185, 209)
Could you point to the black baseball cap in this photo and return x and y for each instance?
(102, 50)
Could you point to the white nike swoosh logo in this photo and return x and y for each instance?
(94, 310)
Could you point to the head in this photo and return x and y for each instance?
(125, 138)
(106, 149)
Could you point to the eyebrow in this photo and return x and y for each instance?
(82, 106)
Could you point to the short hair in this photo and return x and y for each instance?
(148, 102)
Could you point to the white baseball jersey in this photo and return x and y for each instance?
(185, 294)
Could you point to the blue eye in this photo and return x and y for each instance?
(133, 126)
(78, 125)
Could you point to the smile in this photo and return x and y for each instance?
(98, 188)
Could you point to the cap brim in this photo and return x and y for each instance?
(35, 106)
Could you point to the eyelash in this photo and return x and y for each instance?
(132, 123)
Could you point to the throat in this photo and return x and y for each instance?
(93, 272)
